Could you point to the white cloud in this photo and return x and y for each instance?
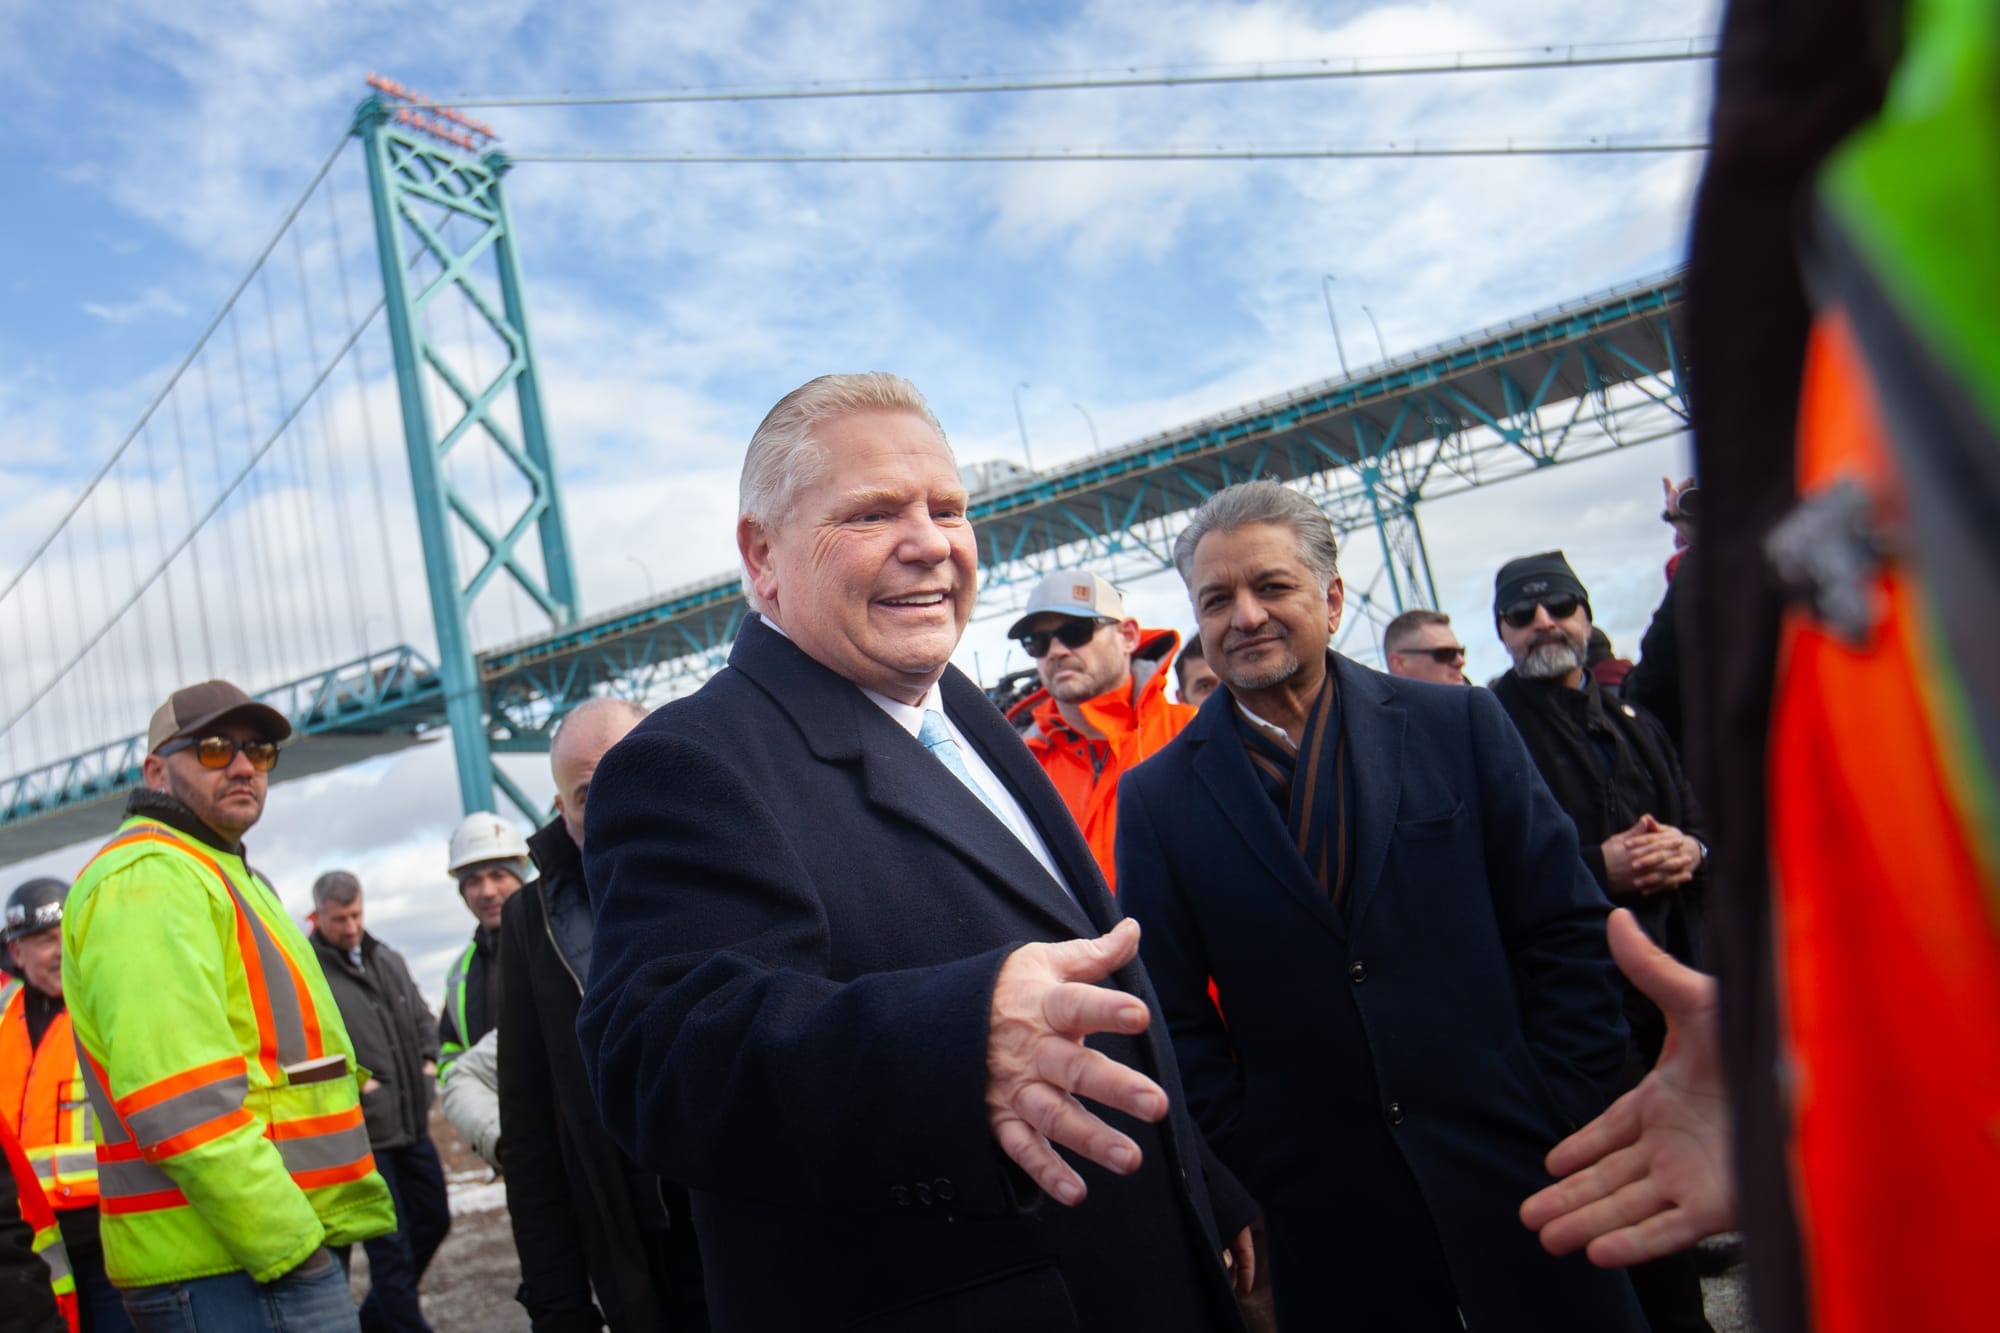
(149, 303)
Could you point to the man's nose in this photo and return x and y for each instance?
(240, 765)
(1247, 613)
(924, 542)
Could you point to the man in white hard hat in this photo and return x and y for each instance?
(489, 859)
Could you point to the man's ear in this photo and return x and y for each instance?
(753, 544)
(153, 772)
(1128, 635)
(1336, 598)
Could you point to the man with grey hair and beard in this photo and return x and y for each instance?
(1614, 771)
(1416, 999)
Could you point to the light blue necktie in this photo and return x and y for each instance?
(937, 738)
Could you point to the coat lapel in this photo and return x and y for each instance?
(840, 725)
(1375, 742)
(1225, 770)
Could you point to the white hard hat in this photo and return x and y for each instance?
(483, 836)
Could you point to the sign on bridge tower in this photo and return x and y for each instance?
(444, 240)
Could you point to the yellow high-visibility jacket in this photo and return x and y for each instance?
(222, 1076)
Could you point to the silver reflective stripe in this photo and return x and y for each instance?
(45, 1168)
(317, 1152)
(56, 1257)
(100, 1102)
(122, 1180)
(188, 1110)
(279, 992)
(76, 1163)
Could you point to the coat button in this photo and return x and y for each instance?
(1395, 1113)
(1357, 974)
(901, 1194)
(923, 1193)
(944, 1189)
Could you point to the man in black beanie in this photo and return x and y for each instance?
(1614, 771)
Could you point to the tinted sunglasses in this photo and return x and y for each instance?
(1445, 656)
(1073, 634)
(1522, 614)
(220, 751)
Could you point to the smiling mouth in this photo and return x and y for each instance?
(917, 599)
(1249, 644)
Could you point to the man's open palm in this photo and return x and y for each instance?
(1045, 1002)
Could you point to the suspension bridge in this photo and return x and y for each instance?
(346, 498)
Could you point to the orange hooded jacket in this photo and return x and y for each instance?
(1137, 720)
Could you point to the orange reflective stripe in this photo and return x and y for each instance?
(334, 1175)
(206, 1132)
(173, 1085)
(314, 1125)
(118, 1205)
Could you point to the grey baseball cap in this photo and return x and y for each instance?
(1070, 592)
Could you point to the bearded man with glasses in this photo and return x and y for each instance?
(1614, 771)
(1103, 704)
(232, 1155)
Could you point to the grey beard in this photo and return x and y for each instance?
(1551, 660)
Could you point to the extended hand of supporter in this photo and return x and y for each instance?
(1045, 1002)
(1651, 1175)
(1241, 1261)
(1661, 856)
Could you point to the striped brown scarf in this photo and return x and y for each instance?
(1318, 806)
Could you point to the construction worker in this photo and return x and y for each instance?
(489, 859)
(233, 1152)
(37, 1289)
(1103, 704)
(41, 1091)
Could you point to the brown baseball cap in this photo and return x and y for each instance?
(193, 707)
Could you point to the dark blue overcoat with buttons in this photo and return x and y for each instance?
(800, 916)
(1390, 1076)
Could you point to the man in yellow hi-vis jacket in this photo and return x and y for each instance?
(233, 1152)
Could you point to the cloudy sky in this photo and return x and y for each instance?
(151, 150)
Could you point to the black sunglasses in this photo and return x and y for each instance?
(1073, 633)
(220, 751)
(1522, 614)
(1445, 656)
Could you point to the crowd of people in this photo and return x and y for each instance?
(1080, 1015)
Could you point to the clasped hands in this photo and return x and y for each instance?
(1045, 1003)
(1650, 857)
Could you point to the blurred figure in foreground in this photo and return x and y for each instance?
(585, 1218)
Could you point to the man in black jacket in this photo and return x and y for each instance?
(1614, 771)
(584, 1216)
(395, 1040)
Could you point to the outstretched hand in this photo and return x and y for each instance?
(1651, 1175)
(1045, 1002)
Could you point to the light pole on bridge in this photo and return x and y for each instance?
(1326, 290)
(1095, 446)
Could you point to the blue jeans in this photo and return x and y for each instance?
(396, 1262)
(312, 1298)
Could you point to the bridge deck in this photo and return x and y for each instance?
(1495, 384)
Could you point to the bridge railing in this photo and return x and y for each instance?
(374, 687)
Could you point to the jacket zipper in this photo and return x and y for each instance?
(549, 929)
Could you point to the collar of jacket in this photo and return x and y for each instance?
(326, 948)
(1584, 707)
(174, 813)
(566, 911)
(1115, 711)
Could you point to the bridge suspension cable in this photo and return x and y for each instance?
(1559, 57)
(1595, 146)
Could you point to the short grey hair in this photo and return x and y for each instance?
(784, 459)
(1249, 503)
(335, 886)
